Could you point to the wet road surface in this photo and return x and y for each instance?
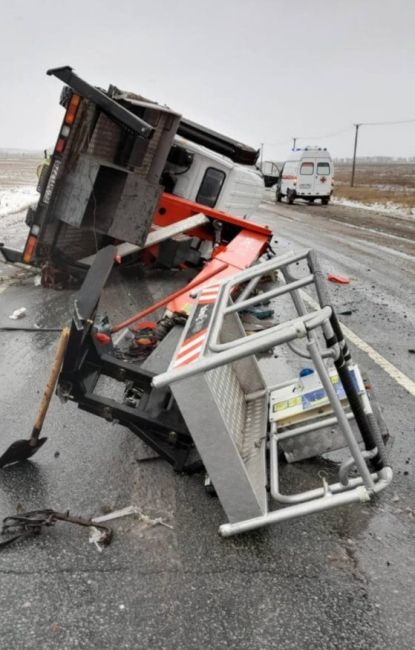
(343, 579)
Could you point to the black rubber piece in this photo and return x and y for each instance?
(30, 329)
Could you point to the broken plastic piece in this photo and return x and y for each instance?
(103, 338)
(339, 279)
(18, 313)
(97, 537)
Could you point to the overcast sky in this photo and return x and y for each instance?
(257, 70)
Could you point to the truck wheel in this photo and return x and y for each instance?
(310, 200)
(279, 197)
(325, 200)
(290, 196)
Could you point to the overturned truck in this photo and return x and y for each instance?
(201, 398)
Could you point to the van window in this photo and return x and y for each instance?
(307, 168)
(323, 169)
(210, 187)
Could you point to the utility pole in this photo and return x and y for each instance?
(261, 159)
(294, 141)
(354, 153)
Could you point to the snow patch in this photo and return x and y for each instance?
(16, 199)
(384, 208)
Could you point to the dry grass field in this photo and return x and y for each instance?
(17, 170)
(377, 183)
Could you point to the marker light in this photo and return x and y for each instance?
(72, 109)
(29, 249)
(60, 145)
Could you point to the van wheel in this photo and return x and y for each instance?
(279, 197)
(290, 196)
(325, 200)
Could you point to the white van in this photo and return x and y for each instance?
(307, 174)
(199, 174)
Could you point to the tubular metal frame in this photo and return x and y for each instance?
(217, 353)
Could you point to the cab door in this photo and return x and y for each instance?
(323, 177)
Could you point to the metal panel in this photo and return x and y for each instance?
(135, 210)
(239, 497)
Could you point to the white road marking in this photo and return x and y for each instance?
(372, 230)
(383, 363)
(390, 251)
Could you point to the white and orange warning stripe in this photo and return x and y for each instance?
(209, 294)
(191, 348)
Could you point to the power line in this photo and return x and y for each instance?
(320, 137)
(308, 137)
(386, 123)
(340, 132)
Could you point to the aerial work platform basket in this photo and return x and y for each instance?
(242, 424)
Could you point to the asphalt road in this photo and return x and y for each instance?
(343, 579)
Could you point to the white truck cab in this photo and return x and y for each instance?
(307, 174)
(199, 174)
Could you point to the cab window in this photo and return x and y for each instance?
(210, 187)
(323, 169)
(307, 168)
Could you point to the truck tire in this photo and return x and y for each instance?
(325, 200)
(290, 196)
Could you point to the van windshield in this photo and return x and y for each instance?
(323, 169)
(307, 168)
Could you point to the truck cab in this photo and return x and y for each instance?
(199, 174)
(307, 174)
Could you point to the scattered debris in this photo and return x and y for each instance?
(30, 329)
(154, 522)
(252, 323)
(124, 512)
(411, 350)
(131, 510)
(27, 524)
(338, 279)
(346, 312)
(98, 537)
(37, 280)
(147, 459)
(18, 313)
(259, 312)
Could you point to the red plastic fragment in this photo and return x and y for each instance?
(339, 279)
(103, 338)
(144, 325)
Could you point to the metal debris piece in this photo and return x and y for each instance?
(124, 512)
(26, 524)
(131, 510)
